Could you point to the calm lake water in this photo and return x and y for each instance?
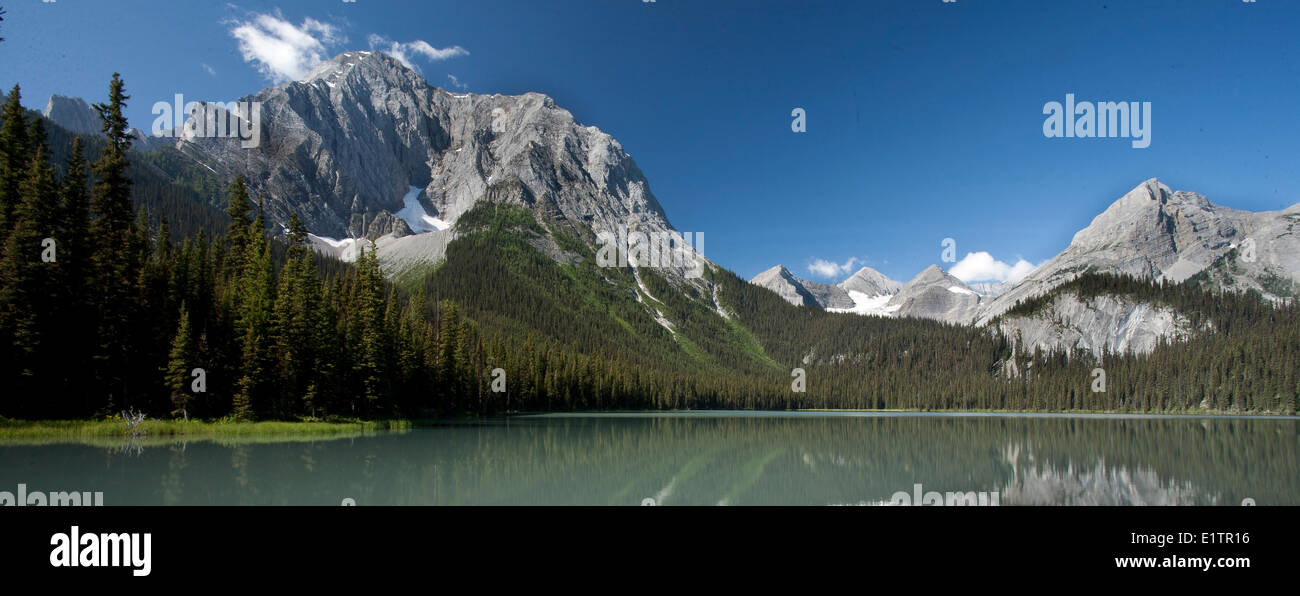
(730, 458)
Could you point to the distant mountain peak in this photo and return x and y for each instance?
(801, 292)
(871, 283)
(74, 114)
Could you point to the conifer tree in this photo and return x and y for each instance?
(372, 366)
(117, 275)
(295, 310)
(180, 362)
(256, 295)
(15, 157)
(238, 209)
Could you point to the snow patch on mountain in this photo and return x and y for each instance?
(413, 213)
(868, 305)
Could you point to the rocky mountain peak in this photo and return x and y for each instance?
(801, 292)
(935, 294)
(74, 114)
(870, 282)
(343, 147)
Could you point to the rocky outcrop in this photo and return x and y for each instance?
(800, 292)
(934, 294)
(77, 116)
(1103, 324)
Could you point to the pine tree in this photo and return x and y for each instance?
(180, 359)
(238, 210)
(373, 365)
(449, 348)
(256, 296)
(15, 157)
(116, 272)
(296, 303)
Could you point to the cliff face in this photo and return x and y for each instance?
(343, 147)
(1103, 324)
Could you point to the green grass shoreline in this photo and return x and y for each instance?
(115, 429)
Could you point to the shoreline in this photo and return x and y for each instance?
(110, 431)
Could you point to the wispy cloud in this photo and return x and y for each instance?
(981, 266)
(280, 50)
(831, 269)
(404, 52)
(208, 69)
(455, 83)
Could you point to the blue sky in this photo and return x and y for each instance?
(924, 118)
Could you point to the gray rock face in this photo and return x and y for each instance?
(1103, 324)
(342, 146)
(1157, 234)
(990, 289)
(870, 282)
(74, 114)
(800, 292)
(934, 294)
(77, 116)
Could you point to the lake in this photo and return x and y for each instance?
(702, 458)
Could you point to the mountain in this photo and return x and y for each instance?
(365, 147)
(870, 291)
(1156, 234)
(934, 294)
(800, 292)
(77, 116)
(74, 114)
(1153, 234)
(871, 283)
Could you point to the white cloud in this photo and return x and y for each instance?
(824, 268)
(282, 51)
(208, 69)
(981, 266)
(405, 51)
(455, 82)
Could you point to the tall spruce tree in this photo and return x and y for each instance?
(238, 234)
(255, 292)
(114, 259)
(15, 157)
(373, 364)
(295, 328)
(180, 362)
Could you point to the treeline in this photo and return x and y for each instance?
(101, 311)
